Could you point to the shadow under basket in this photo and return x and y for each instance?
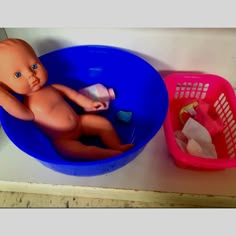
(220, 94)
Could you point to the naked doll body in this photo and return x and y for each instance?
(61, 118)
(23, 73)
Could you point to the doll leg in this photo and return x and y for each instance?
(94, 125)
(74, 149)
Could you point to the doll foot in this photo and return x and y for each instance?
(126, 147)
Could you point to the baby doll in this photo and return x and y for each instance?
(22, 72)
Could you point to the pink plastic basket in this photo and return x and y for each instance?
(219, 92)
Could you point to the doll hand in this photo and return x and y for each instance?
(97, 106)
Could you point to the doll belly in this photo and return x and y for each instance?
(60, 123)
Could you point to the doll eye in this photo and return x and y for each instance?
(17, 74)
(34, 66)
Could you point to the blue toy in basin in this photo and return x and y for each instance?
(138, 87)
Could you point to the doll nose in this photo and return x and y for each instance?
(31, 74)
(32, 78)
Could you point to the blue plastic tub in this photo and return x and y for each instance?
(138, 87)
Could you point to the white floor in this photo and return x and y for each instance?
(153, 169)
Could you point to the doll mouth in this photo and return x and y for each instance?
(34, 83)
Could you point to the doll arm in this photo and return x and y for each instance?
(13, 106)
(78, 98)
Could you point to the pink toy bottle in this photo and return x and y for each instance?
(98, 92)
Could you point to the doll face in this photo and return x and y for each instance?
(20, 69)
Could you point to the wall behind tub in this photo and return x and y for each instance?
(199, 50)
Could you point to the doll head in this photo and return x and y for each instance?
(20, 69)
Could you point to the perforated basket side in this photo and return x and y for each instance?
(227, 141)
(191, 90)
